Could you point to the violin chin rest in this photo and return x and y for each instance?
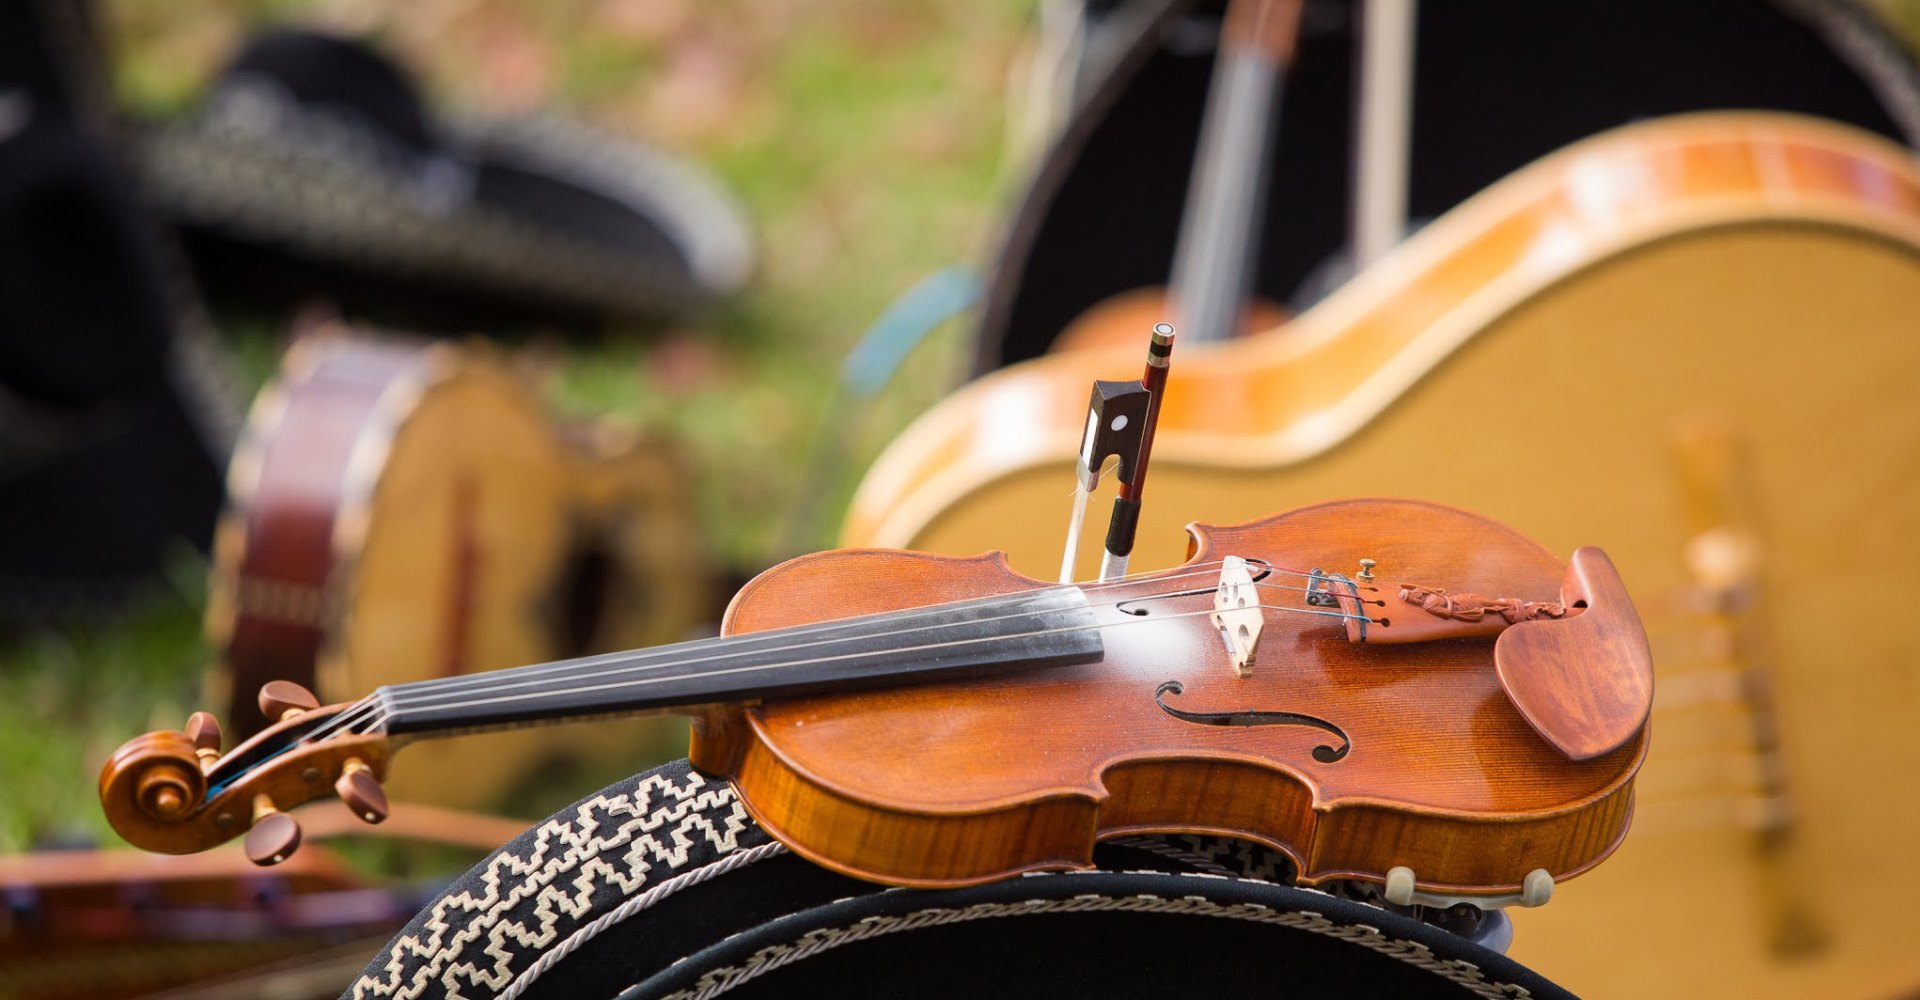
(1583, 682)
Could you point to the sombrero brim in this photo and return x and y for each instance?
(544, 216)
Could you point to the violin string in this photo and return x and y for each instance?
(1175, 594)
(739, 645)
(675, 656)
(394, 701)
(388, 710)
(585, 669)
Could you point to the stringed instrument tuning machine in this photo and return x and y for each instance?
(360, 790)
(282, 700)
(274, 836)
(203, 730)
(1366, 570)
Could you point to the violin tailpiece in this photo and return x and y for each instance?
(1474, 607)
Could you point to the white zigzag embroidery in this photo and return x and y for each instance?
(659, 823)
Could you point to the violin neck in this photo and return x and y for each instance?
(1219, 229)
(1041, 628)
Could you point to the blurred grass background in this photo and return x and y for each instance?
(867, 141)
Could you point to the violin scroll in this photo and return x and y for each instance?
(280, 700)
(173, 793)
(156, 776)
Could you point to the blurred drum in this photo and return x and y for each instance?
(403, 510)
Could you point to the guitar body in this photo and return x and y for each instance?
(1691, 341)
(1117, 321)
(403, 511)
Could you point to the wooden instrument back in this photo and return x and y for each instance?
(1691, 341)
(402, 511)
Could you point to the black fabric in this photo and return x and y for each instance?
(82, 315)
(29, 60)
(998, 940)
(327, 71)
(657, 881)
(1498, 84)
(88, 521)
(104, 469)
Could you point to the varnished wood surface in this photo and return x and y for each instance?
(1545, 355)
(1539, 663)
(213, 810)
(1286, 397)
(1125, 320)
(957, 783)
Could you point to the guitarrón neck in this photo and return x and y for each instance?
(1049, 627)
(1219, 234)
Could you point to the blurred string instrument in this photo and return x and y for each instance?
(1219, 231)
(402, 511)
(115, 924)
(111, 924)
(932, 721)
(1695, 335)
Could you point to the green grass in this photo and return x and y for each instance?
(67, 698)
(864, 138)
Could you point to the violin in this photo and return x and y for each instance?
(1388, 691)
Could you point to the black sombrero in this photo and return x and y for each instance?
(313, 169)
(662, 886)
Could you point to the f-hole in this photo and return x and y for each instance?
(1326, 753)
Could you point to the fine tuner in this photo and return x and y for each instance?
(1393, 726)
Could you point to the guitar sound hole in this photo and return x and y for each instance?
(581, 601)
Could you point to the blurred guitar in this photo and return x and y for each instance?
(110, 924)
(1692, 338)
(403, 510)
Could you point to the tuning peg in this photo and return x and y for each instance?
(358, 788)
(280, 700)
(204, 732)
(275, 835)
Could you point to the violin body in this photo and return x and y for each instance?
(1684, 337)
(950, 784)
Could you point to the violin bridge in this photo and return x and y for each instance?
(1236, 613)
